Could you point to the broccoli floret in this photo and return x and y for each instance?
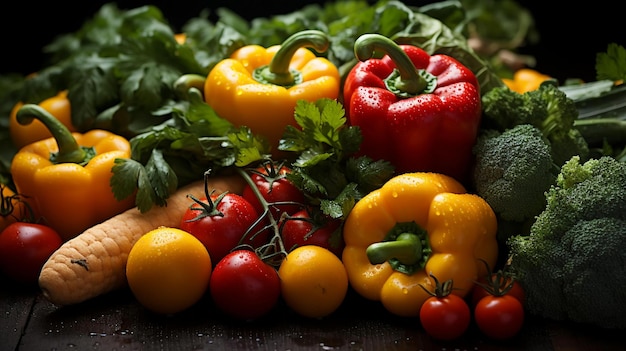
(547, 108)
(573, 263)
(504, 108)
(513, 170)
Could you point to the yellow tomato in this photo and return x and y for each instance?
(168, 270)
(313, 281)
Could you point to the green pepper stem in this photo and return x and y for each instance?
(278, 72)
(69, 150)
(406, 248)
(409, 80)
(187, 82)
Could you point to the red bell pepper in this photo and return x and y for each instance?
(417, 111)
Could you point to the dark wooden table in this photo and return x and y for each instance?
(117, 322)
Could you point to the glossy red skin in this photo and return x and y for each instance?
(428, 132)
(243, 286)
(296, 232)
(25, 248)
(499, 317)
(221, 234)
(445, 318)
(281, 190)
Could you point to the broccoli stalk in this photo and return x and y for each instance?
(572, 265)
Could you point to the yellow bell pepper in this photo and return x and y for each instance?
(415, 225)
(258, 87)
(525, 80)
(59, 106)
(66, 178)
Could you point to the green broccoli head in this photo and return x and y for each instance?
(512, 171)
(547, 108)
(573, 262)
(504, 108)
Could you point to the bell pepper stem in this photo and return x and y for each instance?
(278, 72)
(409, 81)
(186, 82)
(69, 150)
(406, 248)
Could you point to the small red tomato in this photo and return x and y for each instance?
(220, 224)
(279, 192)
(445, 317)
(243, 286)
(25, 248)
(301, 229)
(499, 317)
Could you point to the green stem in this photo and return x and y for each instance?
(598, 130)
(187, 82)
(407, 81)
(406, 248)
(278, 72)
(69, 150)
(273, 253)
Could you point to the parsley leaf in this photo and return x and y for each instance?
(250, 148)
(326, 168)
(611, 64)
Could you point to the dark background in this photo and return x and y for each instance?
(571, 34)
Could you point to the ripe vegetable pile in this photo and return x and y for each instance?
(532, 183)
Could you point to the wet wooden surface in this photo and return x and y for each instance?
(117, 322)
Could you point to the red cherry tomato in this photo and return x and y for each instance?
(499, 317)
(445, 317)
(25, 248)
(244, 286)
(300, 229)
(220, 224)
(279, 192)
